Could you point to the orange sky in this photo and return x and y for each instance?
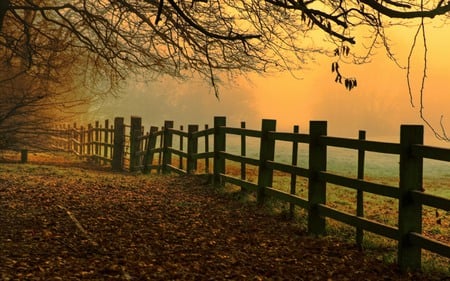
(378, 105)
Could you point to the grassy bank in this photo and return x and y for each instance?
(436, 223)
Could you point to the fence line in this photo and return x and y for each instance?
(138, 149)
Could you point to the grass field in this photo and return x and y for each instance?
(436, 223)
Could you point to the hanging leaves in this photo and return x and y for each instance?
(350, 83)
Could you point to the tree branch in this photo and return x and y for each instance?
(439, 10)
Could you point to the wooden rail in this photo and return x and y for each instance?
(168, 150)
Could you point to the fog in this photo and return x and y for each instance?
(379, 105)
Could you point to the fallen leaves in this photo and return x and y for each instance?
(156, 228)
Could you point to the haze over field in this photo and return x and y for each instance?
(378, 105)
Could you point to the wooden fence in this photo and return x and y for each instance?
(127, 147)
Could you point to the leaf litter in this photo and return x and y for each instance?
(81, 223)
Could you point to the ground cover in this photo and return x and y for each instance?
(72, 222)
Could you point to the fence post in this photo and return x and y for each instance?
(148, 157)
(206, 150)
(167, 154)
(192, 149)
(119, 144)
(294, 161)
(219, 146)
(74, 147)
(106, 140)
(24, 156)
(180, 158)
(316, 187)
(410, 211)
(97, 140)
(82, 141)
(243, 153)
(266, 153)
(89, 140)
(68, 137)
(135, 134)
(359, 192)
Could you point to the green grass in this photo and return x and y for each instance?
(377, 208)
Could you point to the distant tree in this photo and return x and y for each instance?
(203, 37)
(36, 89)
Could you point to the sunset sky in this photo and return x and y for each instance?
(378, 105)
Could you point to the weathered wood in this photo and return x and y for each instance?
(266, 153)
(161, 149)
(181, 146)
(430, 244)
(89, 140)
(243, 153)
(248, 186)
(219, 146)
(437, 153)
(135, 133)
(24, 156)
(192, 149)
(119, 144)
(206, 149)
(316, 186)
(151, 144)
(375, 188)
(287, 197)
(167, 143)
(431, 200)
(359, 192)
(96, 142)
(106, 140)
(366, 224)
(294, 160)
(374, 146)
(410, 210)
(82, 140)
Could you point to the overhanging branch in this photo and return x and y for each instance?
(439, 10)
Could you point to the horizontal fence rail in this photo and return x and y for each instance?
(169, 149)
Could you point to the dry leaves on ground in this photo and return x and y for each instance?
(62, 223)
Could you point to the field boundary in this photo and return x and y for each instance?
(127, 147)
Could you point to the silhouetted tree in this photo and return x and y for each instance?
(199, 37)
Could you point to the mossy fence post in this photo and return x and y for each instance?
(135, 142)
(316, 186)
(167, 144)
(266, 153)
(410, 211)
(119, 144)
(219, 146)
(192, 149)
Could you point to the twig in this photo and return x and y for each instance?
(79, 226)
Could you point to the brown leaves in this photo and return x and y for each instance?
(349, 83)
(156, 228)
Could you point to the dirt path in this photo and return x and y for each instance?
(76, 223)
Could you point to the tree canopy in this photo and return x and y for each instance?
(104, 41)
